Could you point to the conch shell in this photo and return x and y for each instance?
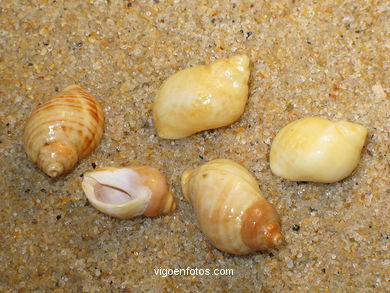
(230, 208)
(128, 192)
(318, 150)
(202, 97)
(63, 130)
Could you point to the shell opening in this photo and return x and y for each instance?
(115, 187)
(110, 194)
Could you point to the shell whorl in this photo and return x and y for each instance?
(230, 208)
(63, 130)
(162, 201)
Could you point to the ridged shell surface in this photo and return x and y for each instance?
(202, 97)
(230, 208)
(63, 130)
(128, 192)
(317, 149)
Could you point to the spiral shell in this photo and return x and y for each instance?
(202, 97)
(63, 130)
(318, 150)
(128, 192)
(230, 208)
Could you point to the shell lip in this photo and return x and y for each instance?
(107, 194)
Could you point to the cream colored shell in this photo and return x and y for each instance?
(202, 97)
(128, 192)
(230, 208)
(63, 130)
(316, 149)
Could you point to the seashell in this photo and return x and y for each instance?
(128, 192)
(230, 208)
(202, 97)
(316, 149)
(63, 130)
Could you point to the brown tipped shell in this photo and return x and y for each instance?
(128, 192)
(230, 208)
(63, 130)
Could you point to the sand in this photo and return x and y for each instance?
(324, 58)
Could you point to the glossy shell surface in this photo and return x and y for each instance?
(202, 97)
(317, 149)
(230, 208)
(63, 130)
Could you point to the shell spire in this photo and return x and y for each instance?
(63, 130)
(230, 208)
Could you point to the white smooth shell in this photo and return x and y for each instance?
(202, 97)
(316, 149)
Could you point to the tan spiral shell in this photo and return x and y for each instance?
(63, 130)
(230, 208)
(128, 192)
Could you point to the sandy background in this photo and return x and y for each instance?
(321, 58)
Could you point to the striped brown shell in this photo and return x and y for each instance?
(63, 130)
(230, 208)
